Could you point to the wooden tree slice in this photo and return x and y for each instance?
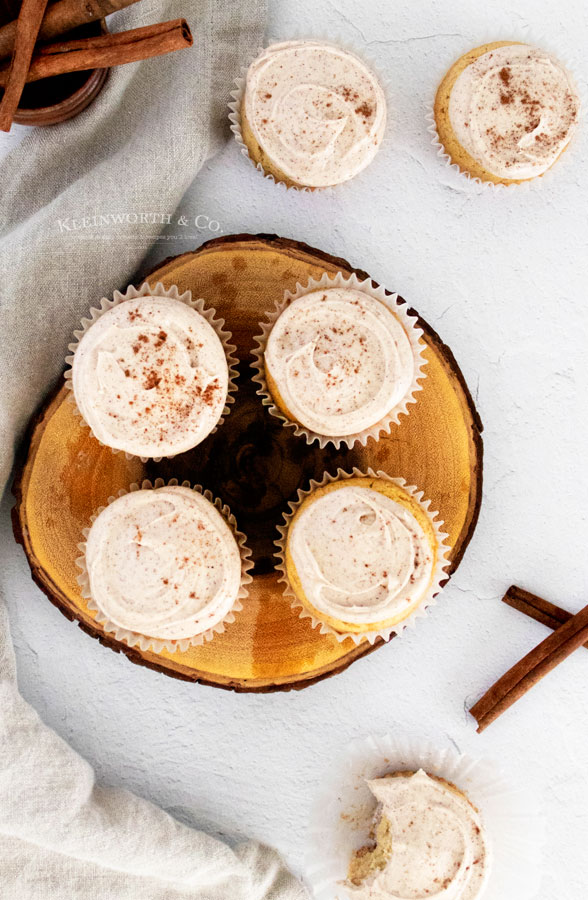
(252, 462)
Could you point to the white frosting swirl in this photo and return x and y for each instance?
(316, 110)
(340, 359)
(439, 848)
(360, 556)
(514, 109)
(163, 562)
(150, 376)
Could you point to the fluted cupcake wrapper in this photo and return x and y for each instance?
(476, 185)
(439, 578)
(158, 290)
(145, 642)
(344, 810)
(411, 328)
(238, 93)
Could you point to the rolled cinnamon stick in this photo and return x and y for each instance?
(107, 50)
(537, 608)
(27, 30)
(531, 669)
(63, 16)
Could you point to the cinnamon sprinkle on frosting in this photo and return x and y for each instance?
(340, 359)
(433, 843)
(514, 110)
(316, 110)
(163, 562)
(150, 377)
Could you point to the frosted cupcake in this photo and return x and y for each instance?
(311, 114)
(360, 554)
(150, 376)
(164, 563)
(340, 361)
(428, 841)
(506, 111)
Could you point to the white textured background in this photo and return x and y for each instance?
(503, 277)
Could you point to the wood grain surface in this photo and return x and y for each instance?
(255, 465)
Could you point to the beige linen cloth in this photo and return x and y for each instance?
(135, 150)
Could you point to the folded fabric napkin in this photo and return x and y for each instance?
(136, 149)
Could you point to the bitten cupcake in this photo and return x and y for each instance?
(428, 841)
(150, 374)
(310, 114)
(163, 563)
(340, 360)
(505, 112)
(361, 553)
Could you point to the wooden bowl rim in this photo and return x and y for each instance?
(71, 105)
(358, 651)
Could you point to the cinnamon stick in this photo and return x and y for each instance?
(27, 30)
(537, 608)
(531, 669)
(63, 16)
(107, 50)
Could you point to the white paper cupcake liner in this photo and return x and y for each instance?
(439, 575)
(344, 812)
(464, 179)
(400, 310)
(131, 293)
(238, 93)
(134, 639)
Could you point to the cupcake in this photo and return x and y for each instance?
(505, 112)
(382, 829)
(428, 841)
(164, 563)
(310, 114)
(340, 361)
(150, 376)
(361, 553)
